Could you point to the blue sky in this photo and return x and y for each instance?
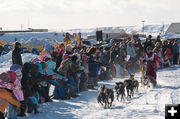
(66, 14)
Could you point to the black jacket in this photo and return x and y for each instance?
(16, 57)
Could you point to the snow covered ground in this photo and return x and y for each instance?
(146, 104)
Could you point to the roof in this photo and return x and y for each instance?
(115, 31)
(174, 28)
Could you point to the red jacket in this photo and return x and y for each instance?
(153, 57)
(167, 54)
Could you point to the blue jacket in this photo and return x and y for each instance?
(93, 67)
(130, 51)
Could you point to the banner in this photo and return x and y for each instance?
(74, 41)
(8, 46)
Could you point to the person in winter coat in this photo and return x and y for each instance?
(119, 64)
(175, 53)
(93, 68)
(171, 42)
(106, 59)
(84, 77)
(5, 98)
(151, 59)
(98, 59)
(130, 50)
(69, 69)
(148, 42)
(16, 55)
(67, 53)
(164, 46)
(158, 50)
(167, 54)
(48, 50)
(18, 93)
(17, 69)
(67, 39)
(114, 52)
(102, 53)
(158, 40)
(138, 47)
(31, 78)
(14, 85)
(59, 91)
(76, 71)
(44, 86)
(60, 52)
(7, 95)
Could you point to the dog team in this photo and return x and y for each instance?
(123, 89)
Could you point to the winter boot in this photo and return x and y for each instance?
(35, 109)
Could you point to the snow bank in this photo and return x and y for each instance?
(10, 37)
(40, 42)
(6, 60)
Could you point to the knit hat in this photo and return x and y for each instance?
(171, 40)
(17, 69)
(12, 75)
(49, 48)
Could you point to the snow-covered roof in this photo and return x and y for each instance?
(174, 28)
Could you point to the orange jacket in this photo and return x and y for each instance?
(5, 98)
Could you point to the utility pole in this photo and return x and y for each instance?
(143, 26)
(21, 27)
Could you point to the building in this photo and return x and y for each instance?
(38, 30)
(113, 34)
(20, 31)
(174, 28)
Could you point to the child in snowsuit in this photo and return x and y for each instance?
(6, 93)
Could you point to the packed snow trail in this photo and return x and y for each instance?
(146, 104)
